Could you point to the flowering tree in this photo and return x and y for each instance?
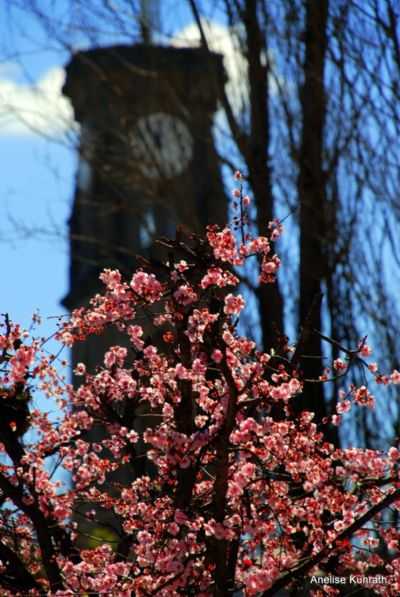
(247, 497)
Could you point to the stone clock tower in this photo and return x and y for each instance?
(147, 163)
(147, 160)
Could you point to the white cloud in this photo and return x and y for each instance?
(31, 109)
(41, 108)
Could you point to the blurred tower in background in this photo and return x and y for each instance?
(147, 158)
(147, 163)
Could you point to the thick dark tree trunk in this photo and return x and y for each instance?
(254, 147)
(312, 199)
(269, 296)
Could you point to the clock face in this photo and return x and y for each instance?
(162, 145)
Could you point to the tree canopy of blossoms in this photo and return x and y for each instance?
(246, 496)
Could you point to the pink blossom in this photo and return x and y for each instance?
(363, 396)
(80, 369)
(339, 365)
(233, 304)
(115, 356)
(135, 333)
(365, 350)
(343, 407)
(223, 244)
(185, 295)
(146, 286)
(217, 277)
(394, 454)
(181, 266)
(395, 377)
(217, 355)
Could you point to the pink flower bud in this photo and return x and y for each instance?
(217, 355)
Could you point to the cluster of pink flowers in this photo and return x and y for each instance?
(21, 362)
(223, 243)
(216, 276)
(185, 295)
(236, 491)
(147, 286)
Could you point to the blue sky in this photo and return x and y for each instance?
(36, 182)
(36, 188)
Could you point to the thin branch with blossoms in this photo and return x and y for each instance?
(323, 554)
